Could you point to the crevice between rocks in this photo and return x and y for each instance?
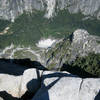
(81, 85)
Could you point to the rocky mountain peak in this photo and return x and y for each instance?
(66, 50)
(80, 35)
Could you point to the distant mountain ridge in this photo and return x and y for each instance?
(10, 9)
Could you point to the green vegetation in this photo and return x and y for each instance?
(86, 66)
(24, 54)
(3, 24)
(56, 55)
(98, 42)
(30, 27)
(71, 22)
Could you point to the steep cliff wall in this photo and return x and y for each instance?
(10, 9)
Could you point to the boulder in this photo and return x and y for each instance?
(10, 84)
(64, 86)
(13, 86)
(30, 81)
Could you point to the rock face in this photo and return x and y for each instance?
(85, 42)
(58, 86)
(10, 84)
(30, 81)
(17, 86)
(87, 7)
(80, 35)
(12, 8)
(80, 43)
(45, 85)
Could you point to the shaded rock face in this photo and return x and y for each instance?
(58, 86)
(10, 9)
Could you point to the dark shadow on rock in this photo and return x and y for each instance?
(6, 96)
(58, 74)
(28, 63)
(11, 69)
(18, 66)
(33, 86)
(41, 85)
(71, 37)
(77, 71)
(53, 83)
(43, 93)
(98, 96)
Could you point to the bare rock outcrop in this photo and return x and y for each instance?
(79, 44)
(15, 86)
(61, 86)
(47, 85)
(83, 42)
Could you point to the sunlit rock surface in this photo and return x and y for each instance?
(10, 84)
(15, 80)
(85, 42)
(61, 86)
(80, 35)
